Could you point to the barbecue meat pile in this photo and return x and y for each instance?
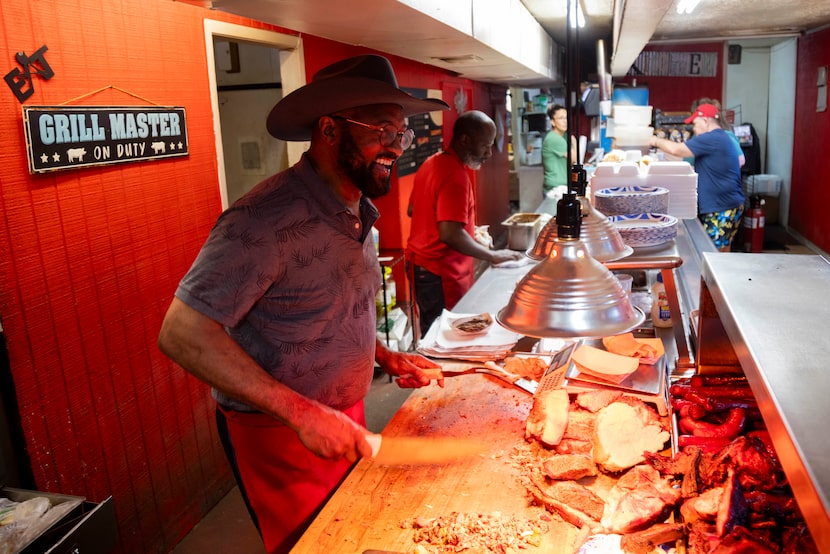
(736, 499)
(604, 437)
(639, 499)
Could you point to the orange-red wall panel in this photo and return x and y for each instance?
(809, 190)
(91, 258)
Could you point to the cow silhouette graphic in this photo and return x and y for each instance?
(76, 154)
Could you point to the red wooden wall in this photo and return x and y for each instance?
(810, 185)
(91, 258)
(90, 262)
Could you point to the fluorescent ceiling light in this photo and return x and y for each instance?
(576, 17)
(686, 6)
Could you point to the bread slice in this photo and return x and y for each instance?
(648, 350)
(548, 417)
(604, 365)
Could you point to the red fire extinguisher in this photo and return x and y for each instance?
(754, 225)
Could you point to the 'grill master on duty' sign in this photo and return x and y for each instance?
(66, 137)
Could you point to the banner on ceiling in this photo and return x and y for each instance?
(70, 137)
(654, 63)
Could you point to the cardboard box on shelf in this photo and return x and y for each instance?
(772, 209)
(639, 116)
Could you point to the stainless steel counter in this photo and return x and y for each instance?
(775, 310)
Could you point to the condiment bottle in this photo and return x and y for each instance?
(660, 313)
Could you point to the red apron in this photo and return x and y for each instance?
(286, 483)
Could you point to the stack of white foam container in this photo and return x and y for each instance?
(679, 177)
(632, 128)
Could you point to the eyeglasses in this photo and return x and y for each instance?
(388, 133)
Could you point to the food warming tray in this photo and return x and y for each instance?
(648, 383)
(645, 379)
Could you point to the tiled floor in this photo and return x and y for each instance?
(228, 528)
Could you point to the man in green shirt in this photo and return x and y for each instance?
(555, 151)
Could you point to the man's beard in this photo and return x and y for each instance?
(473, 162)
(352, 163)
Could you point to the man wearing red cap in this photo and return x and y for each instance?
(277, 313)
(720, 197)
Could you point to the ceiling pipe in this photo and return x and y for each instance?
(569, 293)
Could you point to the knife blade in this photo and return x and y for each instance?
(394, 451)
(489, 368)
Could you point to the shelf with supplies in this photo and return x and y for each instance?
(395, 327)
(672, 126)
(534, 127)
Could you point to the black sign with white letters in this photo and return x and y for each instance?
(68, 137)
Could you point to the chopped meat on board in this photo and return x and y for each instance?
(623, 432)
(639, 499)
(569, 466)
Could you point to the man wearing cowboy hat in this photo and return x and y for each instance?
(720, 196)
(277, 313)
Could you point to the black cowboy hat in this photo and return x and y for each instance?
(349, 83)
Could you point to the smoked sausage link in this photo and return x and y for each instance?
(730, 428)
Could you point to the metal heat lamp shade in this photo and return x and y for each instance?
(597, 233)
(569, 294)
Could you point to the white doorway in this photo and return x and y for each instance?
(760, 87)
(249, 70)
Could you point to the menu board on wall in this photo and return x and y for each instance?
(429, 135)
(69, 137)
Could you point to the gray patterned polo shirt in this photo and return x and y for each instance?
(293, 279)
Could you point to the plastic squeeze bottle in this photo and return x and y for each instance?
(660, 313)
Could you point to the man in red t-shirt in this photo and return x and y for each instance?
(443, 208)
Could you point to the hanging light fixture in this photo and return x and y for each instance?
(569, 294)
(686, 7)
(598, 234)
(576, 17)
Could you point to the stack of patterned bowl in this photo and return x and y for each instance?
(639, 214)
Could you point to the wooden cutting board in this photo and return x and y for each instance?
(367, 510)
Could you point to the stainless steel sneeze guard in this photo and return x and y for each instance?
(774, 309)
